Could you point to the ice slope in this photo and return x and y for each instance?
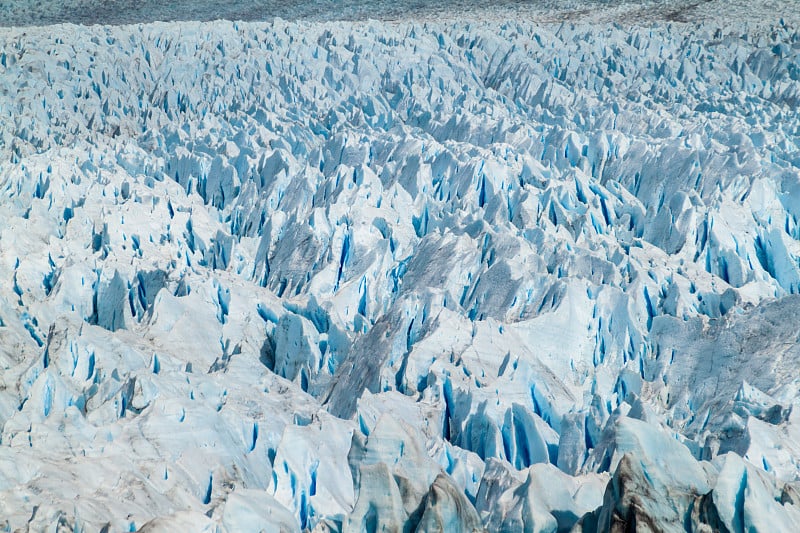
(418, 276)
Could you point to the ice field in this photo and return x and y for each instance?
(432, 274)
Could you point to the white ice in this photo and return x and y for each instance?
(411, 275)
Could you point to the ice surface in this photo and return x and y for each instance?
(411, 275)
(36, 12)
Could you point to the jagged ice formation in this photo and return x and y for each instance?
(409, 276)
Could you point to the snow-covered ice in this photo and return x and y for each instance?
(408, 275)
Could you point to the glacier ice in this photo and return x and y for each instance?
(408, 275)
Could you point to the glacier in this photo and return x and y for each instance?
(403, 275)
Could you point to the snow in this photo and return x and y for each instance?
(426, 274)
